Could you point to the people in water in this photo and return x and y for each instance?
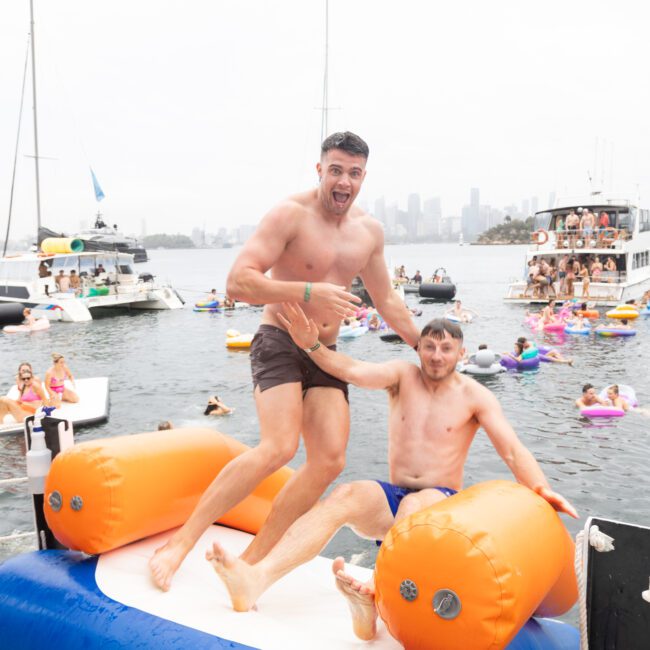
(615, 398)
(30, 395)
(589, 397)
(165, 425)
(29, 317)
(55, 379)
(435, 413)
(462, 314)
(216, 407)
(552, 355)
(313, 245)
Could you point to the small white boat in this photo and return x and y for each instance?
(91, 408)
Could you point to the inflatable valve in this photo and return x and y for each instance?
(39, 457)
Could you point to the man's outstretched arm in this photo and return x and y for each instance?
(364, 374)
(518, 458)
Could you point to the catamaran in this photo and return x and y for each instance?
(622, 246)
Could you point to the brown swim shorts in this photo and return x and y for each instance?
(276, 359)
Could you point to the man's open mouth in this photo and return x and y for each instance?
(340, 197)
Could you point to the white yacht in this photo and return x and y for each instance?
(107, 280)
(626, 241)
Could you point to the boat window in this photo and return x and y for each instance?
(625, 219)
(644, 220)
(87, 266)
(125, 269)
(542, 220)
(66, 263)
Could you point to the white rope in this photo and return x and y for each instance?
(582, 592)
(13, 481)
(603, 544)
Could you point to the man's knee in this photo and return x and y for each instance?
(277, 455)
(328, 466)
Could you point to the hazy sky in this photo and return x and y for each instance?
(204, 111)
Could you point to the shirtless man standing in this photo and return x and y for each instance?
(313, 244)
(434, 415)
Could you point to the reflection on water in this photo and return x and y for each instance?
(164, 365)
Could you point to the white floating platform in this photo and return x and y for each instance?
(91, 408)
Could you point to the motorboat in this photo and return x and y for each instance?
(439, 288)
(107, 280)
(625, 241)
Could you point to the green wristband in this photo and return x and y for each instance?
(313, 348)
(307, 291)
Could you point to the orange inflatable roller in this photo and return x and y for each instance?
(468, 572)
(103, 494)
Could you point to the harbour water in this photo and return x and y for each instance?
(164, 365)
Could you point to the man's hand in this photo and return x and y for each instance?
(303, 331)
(556, 500)
(333, 298)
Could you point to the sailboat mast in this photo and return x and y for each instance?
(325, 105)
(38, 187)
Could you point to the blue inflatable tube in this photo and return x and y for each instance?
(51, 599)
(571, 329)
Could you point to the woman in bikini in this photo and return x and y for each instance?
(30, 395)
(55, 381)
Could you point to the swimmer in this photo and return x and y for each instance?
(216, 407)
(551, 355)
(55, 379)
(615, 398)
(165, 425)
(29, 317)
(589, 398)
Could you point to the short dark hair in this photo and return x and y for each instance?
(623, 321)
(521, 340)
(483, 346)
(437, 327)
(345, 141)
(586, 387)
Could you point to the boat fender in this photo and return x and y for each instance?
(131, 487)
(471, 570)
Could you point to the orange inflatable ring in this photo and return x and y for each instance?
(588, 313)
(540, 237)
(103, 494)
(469, 571)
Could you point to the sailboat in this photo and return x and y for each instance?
(461, 241)
(102, 277)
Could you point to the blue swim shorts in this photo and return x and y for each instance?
(395, 494)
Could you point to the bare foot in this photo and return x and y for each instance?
(361, 601)
(164, 564)
(240, 578)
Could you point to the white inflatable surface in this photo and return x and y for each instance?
(92, 406)
(302, 610)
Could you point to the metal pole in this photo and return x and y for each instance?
(323, 123)
(38, 187)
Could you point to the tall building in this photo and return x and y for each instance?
(414, 212)
(534, 205)
(380, 210)
(432, 215)
(470, 216)
(525, 208)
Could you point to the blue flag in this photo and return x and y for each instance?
(99, 195)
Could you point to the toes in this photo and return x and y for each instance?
(338, 565)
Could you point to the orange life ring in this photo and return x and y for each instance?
(540, 237)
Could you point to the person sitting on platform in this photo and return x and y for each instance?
(435, 413)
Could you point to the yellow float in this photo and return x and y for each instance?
(62, 245)
(237, 341)
(623, 311)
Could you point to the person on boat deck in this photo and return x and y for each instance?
(417, 278)
(43, 269)
(434, 415)
(615, 398)
(589, 397)
(75, 282)
(55, 379)
(313, 244)
(62, 282)
(99, 270)
(552, 355)
(30, 395)
(216, 407)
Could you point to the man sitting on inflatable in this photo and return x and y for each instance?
(434, 415)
